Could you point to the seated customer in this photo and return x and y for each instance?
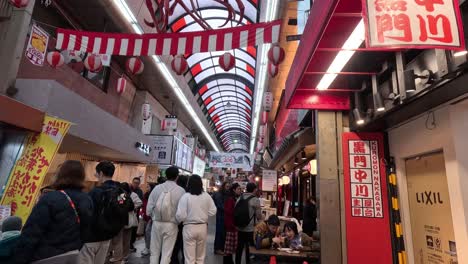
(11, 230)
(295, 240)
(266, 231)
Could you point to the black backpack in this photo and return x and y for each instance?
(113, 212)
(242, 216)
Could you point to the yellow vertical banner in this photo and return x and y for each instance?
(30, 169)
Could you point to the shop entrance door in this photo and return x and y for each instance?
(430, 212)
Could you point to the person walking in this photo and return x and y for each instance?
(247, 213)
(162, 207)
(121, 243)
(179, 245)
(58, 221)
(135, 187)
(148, 222)
(219, 198)
(194, 209)
(230, 244)
(110, 215)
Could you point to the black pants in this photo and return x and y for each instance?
(245, 239)
(133, 237)
(228, 259)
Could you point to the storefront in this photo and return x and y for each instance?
(430, 154)
(16, 122)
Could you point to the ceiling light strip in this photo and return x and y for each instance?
(353, 42)
(128, 14)
(272, 7)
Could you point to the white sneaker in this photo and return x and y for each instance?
(145, 252)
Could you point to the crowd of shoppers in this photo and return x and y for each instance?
(70, 226)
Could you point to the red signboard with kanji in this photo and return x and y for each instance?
(366, 202)
(419, 24)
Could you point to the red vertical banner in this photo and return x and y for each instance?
(366, 202)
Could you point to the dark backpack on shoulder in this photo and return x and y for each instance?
(242, 216)
(113, 213)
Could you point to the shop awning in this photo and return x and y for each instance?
(20, 115)
(331, 60)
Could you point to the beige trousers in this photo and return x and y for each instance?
(121, 244)
(195, 243)
(163, 238)
(94, 253)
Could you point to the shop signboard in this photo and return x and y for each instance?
(269, 180)
(183, 155)
(430, 210)
(417, 24)
(366, 201)
(198, 166)
(31, 167)
(231, 160)
(37, 46)
(162, 146)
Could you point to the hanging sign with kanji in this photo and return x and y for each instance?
(419, 24)
(366, 201)
(31, 167)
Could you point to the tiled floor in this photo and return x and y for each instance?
(210, 257)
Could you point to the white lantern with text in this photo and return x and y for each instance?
(146, 111)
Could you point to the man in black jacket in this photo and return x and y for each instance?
(97, 241)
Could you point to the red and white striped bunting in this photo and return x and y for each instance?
(169, 43)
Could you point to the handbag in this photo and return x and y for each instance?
(132, 220)
(141, 228)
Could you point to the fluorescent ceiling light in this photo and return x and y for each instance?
(126, 11)
(460, 53)
(348, 49)
(128, 14)
(260, 82)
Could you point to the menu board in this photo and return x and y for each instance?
(269, 180)
(183, 155)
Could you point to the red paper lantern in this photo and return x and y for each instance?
(93, 63)
(179, 64)
(227, 61)
(134, 66)
(19, 3)
(55, 59)
(276, 54)
(121, 85)
(272, 70)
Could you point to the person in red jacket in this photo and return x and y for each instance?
(230, 245)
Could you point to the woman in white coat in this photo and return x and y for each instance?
(193, 211)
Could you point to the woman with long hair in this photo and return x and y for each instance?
(59, 221)
(193, 211)
(230, 244)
